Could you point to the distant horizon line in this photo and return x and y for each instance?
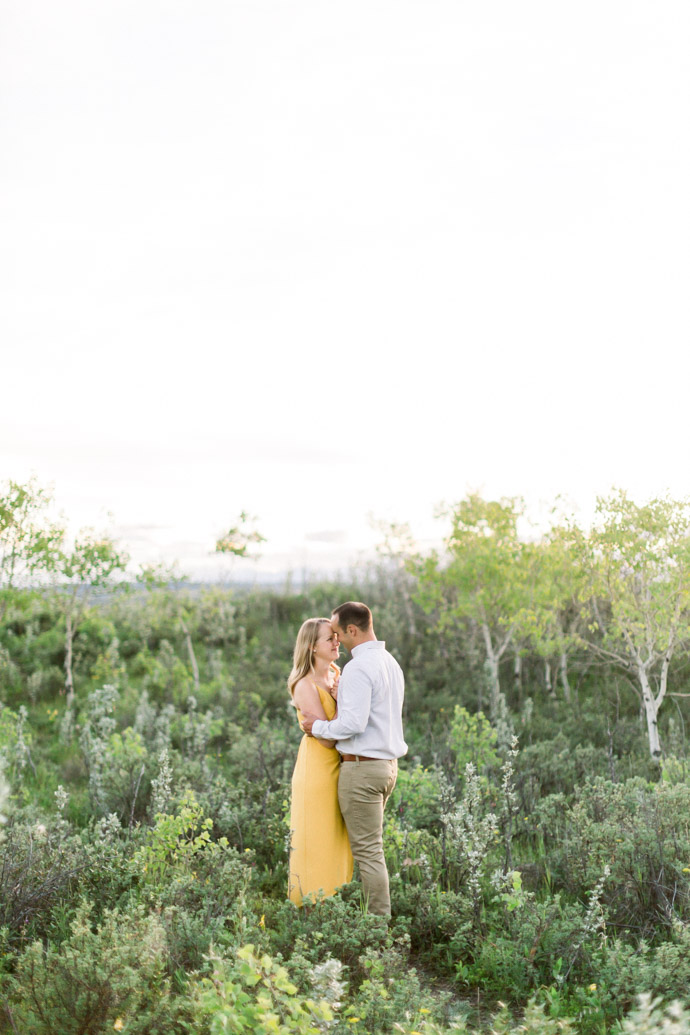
(289, 579)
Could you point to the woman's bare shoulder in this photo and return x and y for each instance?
(305, 693)
(302, 685)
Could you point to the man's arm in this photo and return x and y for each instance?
(354, 705)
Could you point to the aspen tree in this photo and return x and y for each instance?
(637, 561)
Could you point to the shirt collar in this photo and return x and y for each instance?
(369, 645)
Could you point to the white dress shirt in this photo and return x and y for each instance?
(370, 700)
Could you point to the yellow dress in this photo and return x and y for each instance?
(320, 856)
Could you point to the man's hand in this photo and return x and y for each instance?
(307, 723)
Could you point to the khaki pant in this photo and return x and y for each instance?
(363, 790)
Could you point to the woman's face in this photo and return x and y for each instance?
(327, 647)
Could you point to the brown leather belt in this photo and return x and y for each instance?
(360, 758)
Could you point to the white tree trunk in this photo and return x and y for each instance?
(564, 677)
(492, 659)
(517, 674)
(651, 709)
(69, 638)
(192, 655)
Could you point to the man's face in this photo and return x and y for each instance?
(342, 634)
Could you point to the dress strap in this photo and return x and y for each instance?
(318, 687)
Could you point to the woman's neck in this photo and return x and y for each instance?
(322, 671)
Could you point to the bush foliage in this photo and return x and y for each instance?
(539, 858)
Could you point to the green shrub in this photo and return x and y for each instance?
(110, 977)
(15, 740)
(416, 799)
(176, 840)
(556, 766)
(252, 994)
(641, 831)
(473, 740)
(390, 994)
(652, 1017)
(660, 969)
(41, 865)
(331, 927)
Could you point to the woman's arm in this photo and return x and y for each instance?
(306, 697)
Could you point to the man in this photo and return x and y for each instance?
(369, 736)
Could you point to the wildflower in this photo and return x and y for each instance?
(262, 921)
(119, 1024)
(353, 1020)
(686, 869)
(61, 798)
(162, 784)
(423, 1009)
(592, 988)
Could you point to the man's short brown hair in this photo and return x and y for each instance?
(353, 613)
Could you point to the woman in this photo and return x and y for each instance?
(320, 856)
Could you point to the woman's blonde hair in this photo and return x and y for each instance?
(303, 659)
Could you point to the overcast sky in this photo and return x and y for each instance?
(321, 261)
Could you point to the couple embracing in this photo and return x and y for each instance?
(347, 762)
